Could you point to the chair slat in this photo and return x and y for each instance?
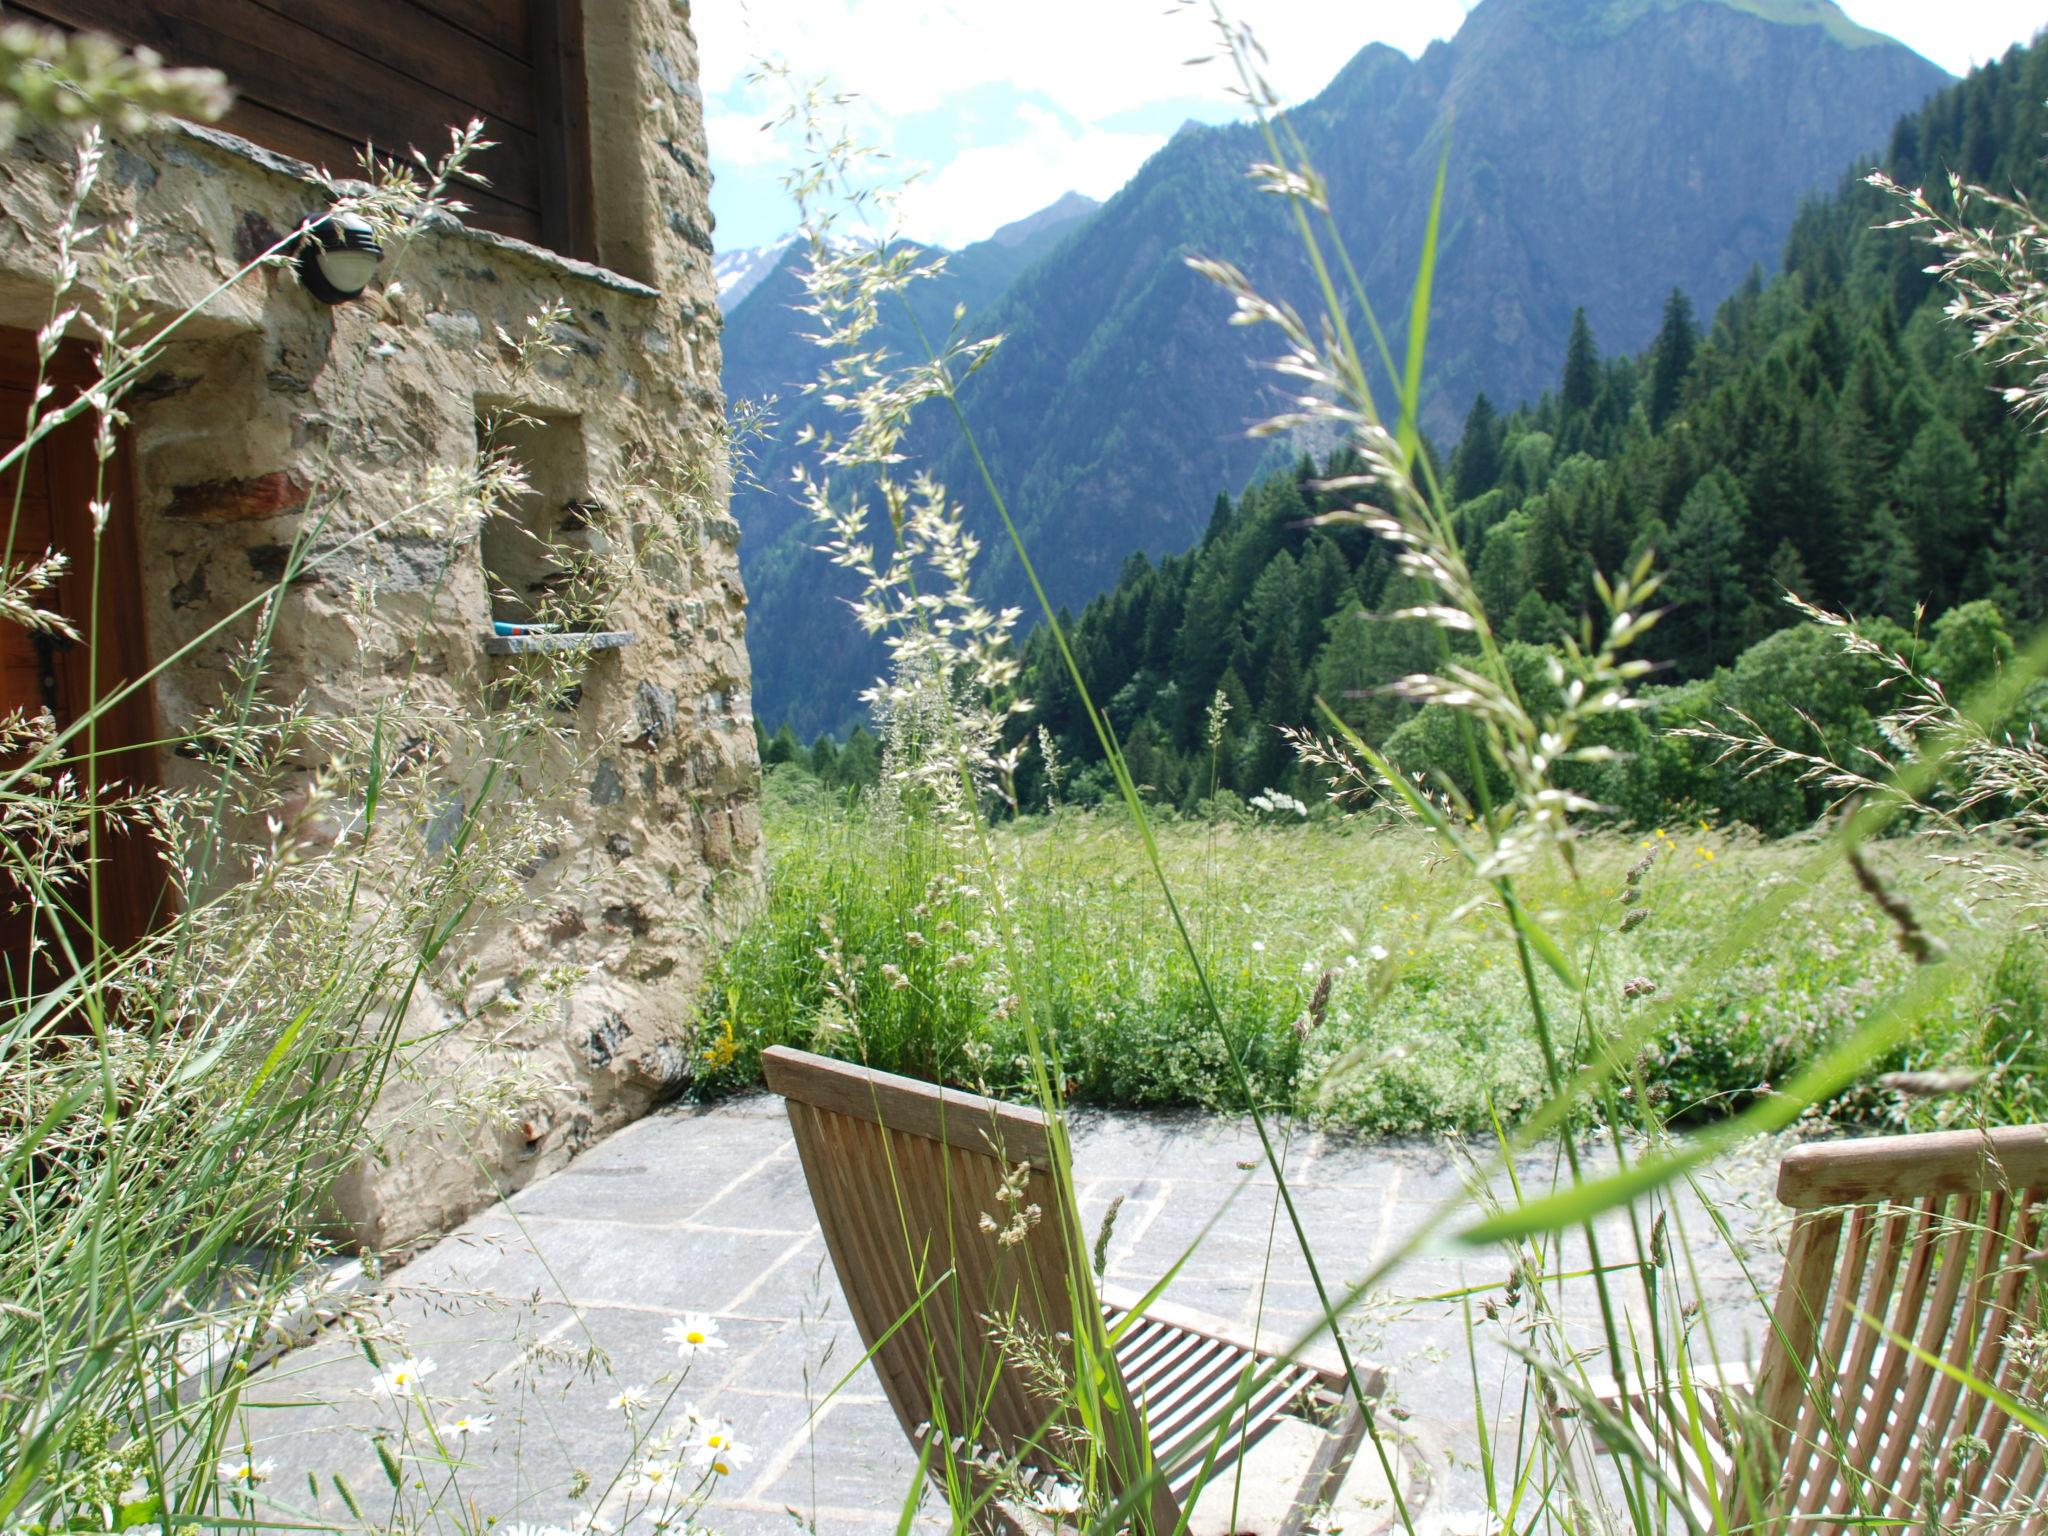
(1994, 1212)
(1883, 1383)
(2021, 1379)
(1167, 1355)
(1804, 1326)
(1188, 1374)
(1829, 1492)
(1961, 1236)
(1194, 1411)
(1260, 1414)
(2013, 1303)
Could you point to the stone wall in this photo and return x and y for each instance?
(269, 394)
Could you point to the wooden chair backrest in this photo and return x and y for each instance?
(949, 1230)
(1931, 1235)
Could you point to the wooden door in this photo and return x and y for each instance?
(56, 486)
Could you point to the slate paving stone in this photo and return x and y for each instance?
(773, 1185)
(540, 1309)
(857, 1458)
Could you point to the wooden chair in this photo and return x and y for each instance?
(1930, 1238)
(957, 1247)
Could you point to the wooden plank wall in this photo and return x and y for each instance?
(317, 79)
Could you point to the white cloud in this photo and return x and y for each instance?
(1095, 57)
(741, 141)
(1098, 59)
(982, 188)
(1957, 35)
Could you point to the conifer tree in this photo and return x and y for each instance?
(1785, 572)
(1324, 583)
(1549, 566)
(1671, 361)
(1345, 674)
(1884, 568)
(1280, 703)
(1581, 382)
(1498, 575)
(1706, 588)
(860, 760)
(1527, 469)
(2019, 559)
(1476, 463)
(825, 757)
(1271, 607)
(1239, 719)
(1208, 632)
(1221, 515)
(1652, 539)
(1939, 491)
(1536, 621)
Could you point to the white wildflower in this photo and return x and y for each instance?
(696, 1333)
(657, 1476)
(403, 1378)
(245, 1471)
(713, 1448)
(1061, 1500)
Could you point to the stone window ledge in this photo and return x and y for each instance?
(527, 645)
(441, 223)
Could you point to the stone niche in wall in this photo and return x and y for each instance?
(538, 552)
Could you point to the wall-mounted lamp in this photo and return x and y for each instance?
(337, 256)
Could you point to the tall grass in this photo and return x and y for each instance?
(1419, 1031)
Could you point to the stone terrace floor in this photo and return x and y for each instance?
(705, 1209)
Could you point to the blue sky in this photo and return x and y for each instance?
(1006, 104)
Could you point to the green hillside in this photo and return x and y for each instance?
(1829, 431)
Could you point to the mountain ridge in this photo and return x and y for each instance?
(1673, 147)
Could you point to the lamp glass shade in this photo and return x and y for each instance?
(348, 271)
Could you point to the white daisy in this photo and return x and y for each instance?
(403, 1378)
(470, 1424)
(245, 1471)
(657, 1476)
(695, 1334)
(1061, 1499)
(629, 1399)
(713, 1448)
